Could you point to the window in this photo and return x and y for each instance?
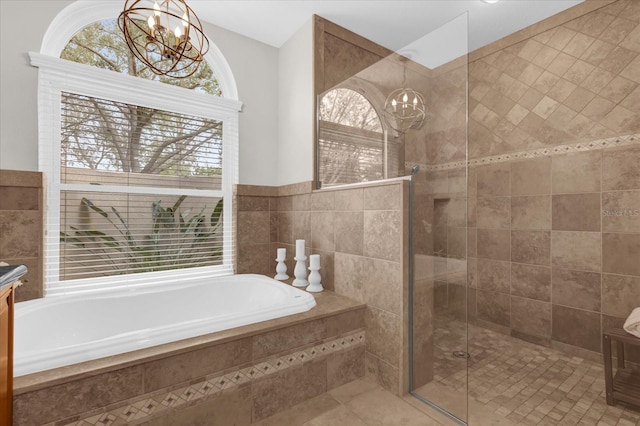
(102, 45)
(140, 167)
(124, 205)
(352, 145)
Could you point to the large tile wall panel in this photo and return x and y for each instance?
(554, 125)
(359, 234)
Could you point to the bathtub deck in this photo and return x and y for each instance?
(317, 350)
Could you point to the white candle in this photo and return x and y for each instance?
(282, 254)
(314, 261)
(299, 249)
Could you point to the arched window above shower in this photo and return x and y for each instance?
(352, 143)
(349, 108)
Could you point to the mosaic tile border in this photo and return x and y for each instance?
(148, 406)
(543, 152)
(446, 166)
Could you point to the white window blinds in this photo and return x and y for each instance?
(350, 155)
(352, 146)
(141, 189)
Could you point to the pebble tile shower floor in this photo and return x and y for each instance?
(525, 383)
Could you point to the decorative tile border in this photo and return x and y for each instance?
(446, 166)
(147, 406)
(543, 152)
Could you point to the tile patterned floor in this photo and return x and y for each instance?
(359, 403)
(511, 383)
(523, 383)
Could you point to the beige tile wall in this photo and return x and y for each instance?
(537, 234)
(359, 236)
(558, 247)
(446, 127)
(557, 238)
(238, 379)
(575, 82)
(21, 227)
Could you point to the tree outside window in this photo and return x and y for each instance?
(126, 168)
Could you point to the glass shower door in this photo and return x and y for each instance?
(439, 295)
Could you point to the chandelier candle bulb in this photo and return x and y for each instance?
(152, 23)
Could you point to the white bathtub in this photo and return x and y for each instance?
(64, 330)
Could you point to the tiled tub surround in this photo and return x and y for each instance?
(55, 331)
(359, 235)
(21, 227)
(237, 376)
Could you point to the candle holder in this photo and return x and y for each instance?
(315, 286)
(281, 267)
(300, 271)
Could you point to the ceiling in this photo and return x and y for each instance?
(391, 23)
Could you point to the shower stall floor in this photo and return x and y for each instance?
(523, 383)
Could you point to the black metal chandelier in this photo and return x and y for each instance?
(167, 36)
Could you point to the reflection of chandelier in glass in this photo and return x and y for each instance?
(167, 37)
(404, 108)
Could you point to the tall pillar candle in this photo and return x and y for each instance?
(300, 270)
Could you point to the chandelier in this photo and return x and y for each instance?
(165, 36)
(404, 108)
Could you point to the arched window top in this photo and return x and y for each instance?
(81, 13)
(349, 108)
(117, 145)
(102, 45)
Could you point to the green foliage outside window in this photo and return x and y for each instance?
(177, 239)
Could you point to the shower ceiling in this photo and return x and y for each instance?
(391, 23)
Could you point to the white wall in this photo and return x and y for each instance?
(255, 68)
(22, 26)
(296, 114)
(254, 64)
